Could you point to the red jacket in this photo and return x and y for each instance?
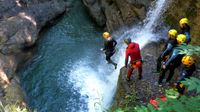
(133, 50)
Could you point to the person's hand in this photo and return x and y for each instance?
(163, 62)
(164, 66)
(101, 49)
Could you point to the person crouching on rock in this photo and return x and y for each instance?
(109, 48)
(133, 51)
(187, 69)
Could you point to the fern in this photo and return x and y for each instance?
(193, 84)
(188, 49)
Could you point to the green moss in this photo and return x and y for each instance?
(191, 12)
(170, 20)
(12, 108)
(13, 94)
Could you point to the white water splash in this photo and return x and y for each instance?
(100, 85)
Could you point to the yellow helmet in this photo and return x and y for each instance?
(181, 38)
(106, 35)
(183, 21)
(172, 33)
(188, 60)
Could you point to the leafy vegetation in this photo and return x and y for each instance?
(189, 50)
(182, 104)
(193, 84)
(12, 108)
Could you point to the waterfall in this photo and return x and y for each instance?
(97, 85)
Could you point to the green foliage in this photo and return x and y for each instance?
(183, 104)
(193, 84)
(171, 93)
(169, 19)
(12, 108)
(130, 100)
(191, 12)
(191, 50)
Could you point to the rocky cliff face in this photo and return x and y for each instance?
(185, 8)
(113, 14)
(20, 24)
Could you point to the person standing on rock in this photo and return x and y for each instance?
(133, 51)
(109, 48)
(184, 25)
(172, 33)
(174, 61)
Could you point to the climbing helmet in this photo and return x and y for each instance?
(172, 33)
(106, 35)
(127, 40)
(183, 21)
(181, 38)
(188, 60)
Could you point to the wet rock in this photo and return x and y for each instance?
(114, 14)
(95, 11)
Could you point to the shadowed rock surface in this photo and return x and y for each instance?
(113, 14)
(20, 24)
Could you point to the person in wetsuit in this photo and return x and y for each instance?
(185, 29)
(171, 43)
(187, 69)
(174, 61)
(109, 48)
(133, 51)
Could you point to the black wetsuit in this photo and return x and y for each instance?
(171, 64)
(186, 72)
(168, 49)
(109, 48)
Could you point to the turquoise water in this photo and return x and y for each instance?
(46, 77)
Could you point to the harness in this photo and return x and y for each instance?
(136, 63)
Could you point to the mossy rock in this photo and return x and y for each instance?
(13, 94)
